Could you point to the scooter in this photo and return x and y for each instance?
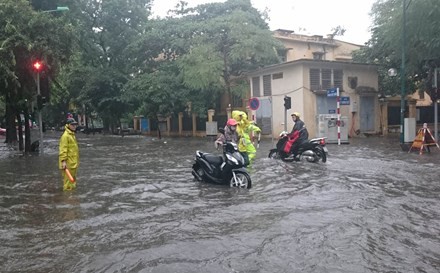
(225, 169)
(313, 150)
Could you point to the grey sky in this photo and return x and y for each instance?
(312, 17)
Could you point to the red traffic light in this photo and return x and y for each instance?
(38, 66)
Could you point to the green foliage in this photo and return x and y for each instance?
(158, 93)
(25, 36)
(422, 44)
(109, 58)
(108, 31)
(226, 40)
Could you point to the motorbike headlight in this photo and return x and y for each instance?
(231, 158)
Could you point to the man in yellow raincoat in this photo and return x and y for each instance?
(68, 157)
(245, 129)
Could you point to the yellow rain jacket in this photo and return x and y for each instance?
(245, 129)
(69, 152)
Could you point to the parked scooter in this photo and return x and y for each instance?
(314, 150)
(226, 169)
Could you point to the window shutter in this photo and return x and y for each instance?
(326, 79)
(267, 85)
(337, 78)
(315, 81)
(256, 86)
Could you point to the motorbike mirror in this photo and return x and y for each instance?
(221, 130)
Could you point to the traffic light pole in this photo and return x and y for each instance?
(40, 118)
(287, 106)
(403, 79)
(436, 104)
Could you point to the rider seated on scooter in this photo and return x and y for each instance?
(299, 133)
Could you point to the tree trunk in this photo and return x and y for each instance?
(20, 132)
(11, 132)
(27, 132)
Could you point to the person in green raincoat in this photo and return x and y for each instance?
(68, 156)
(245, 129)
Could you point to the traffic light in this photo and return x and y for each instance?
(38, 66)
(45, 88)
(287, 102)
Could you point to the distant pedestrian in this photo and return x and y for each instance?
(69, 154)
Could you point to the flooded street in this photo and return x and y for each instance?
(370, 208)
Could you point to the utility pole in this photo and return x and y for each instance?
(38, 66)
(403, 76)
(435, 85)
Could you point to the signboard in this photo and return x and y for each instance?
(344, 100)
(254, 103)
(331, 92)
(211, 128)
(145, 125)
(332, 111)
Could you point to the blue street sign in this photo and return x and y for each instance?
(344, 100)
(332, 111)
(254, 103)
(332, 92)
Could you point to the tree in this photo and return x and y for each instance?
(158, 93)
(422, 44)
(27, 35)
(107, 31)
(226, 41)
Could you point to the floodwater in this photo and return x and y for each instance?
(370, 208)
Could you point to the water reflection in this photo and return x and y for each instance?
(370, 208)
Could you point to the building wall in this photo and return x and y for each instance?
(299, 59)
(296, 84)
(289, 85)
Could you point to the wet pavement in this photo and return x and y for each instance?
(370, 208)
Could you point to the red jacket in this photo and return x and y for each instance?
(291, 138)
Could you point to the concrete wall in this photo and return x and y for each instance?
(296, 84)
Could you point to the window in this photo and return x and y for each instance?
(267, 85)
(318, 55)
(256, 86)
(315, 79)
(337, 78)
(323, 79)
(277, 76)
(326, 78)
(282, 55)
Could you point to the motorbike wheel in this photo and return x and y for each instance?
(274, 154)
(198, 173)
(241, 180)
(320, 155)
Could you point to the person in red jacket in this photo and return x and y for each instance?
(298, 135)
